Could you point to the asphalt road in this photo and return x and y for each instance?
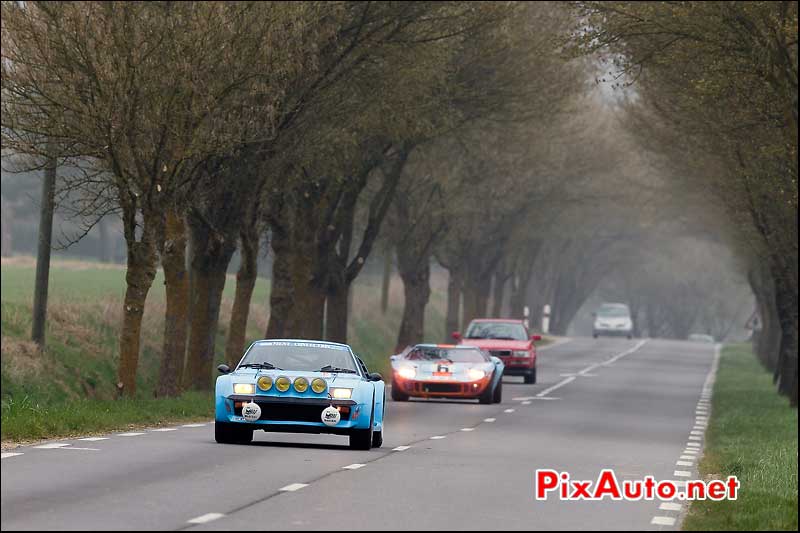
(607, 403)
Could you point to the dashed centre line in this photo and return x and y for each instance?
(293, 487)
(206, 518)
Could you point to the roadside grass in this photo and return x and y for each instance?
(29, 419)
(68, 388)
(752, 434)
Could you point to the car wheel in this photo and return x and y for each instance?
(377, 436)
(486, 396)
(397, 395)
(225, 433)
(361, 439)
(530, 377)
(497, 397)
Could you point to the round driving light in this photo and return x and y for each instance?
(407, 372)
(318, 385)
(301, 384)
(283, 383)
(264, 383)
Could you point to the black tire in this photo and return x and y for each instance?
(377, 436)
(397, 395)
(361, 439)
(530, 377)
(487, 396)
(497, 397)
(226, 433)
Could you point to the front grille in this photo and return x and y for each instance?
(501, 353)
(293, 412)
(438, 387)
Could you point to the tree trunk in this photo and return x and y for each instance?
(498, 293)
(281, 296)
(452, 322)
(43, 252)
(142, 262)
(212, 254)
(786, 370)
(338, 312)
(416, 289)
(176, 317)
(476, 296)
(245, 283)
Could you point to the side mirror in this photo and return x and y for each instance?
(374, 376)
(536, 337)
(456, 335)
(224, 369)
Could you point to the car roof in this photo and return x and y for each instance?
(503, 320)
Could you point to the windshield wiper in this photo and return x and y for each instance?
(330, 368)
(264, 365)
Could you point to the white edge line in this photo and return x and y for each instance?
(293, 487)
(5, 455)
(205, 518)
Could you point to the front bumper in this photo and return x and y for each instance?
(441, 388)
(603, 332)
(293, 415)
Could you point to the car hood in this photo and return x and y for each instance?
(497, 344)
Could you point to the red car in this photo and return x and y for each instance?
(507, 339)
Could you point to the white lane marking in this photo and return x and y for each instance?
(354, 466)
(592, 367)
(693, 444)
(695, 432)
(508, 411)
(131, 434)
(623, 354)
(489, 419)
(164, 429)
(690, 450)
(193, 425)
(567, 375)
(401, 448)
(293, 487)
(467, 429)
(5, 455)
(662, 521)
(684, 463)
(694, 437)
(682, 473)
(526, 403)
(556, 386)
(438, 437)
(93, 439)
(52, 446)
(669, 506)
(522, 398)
(699, 427)
(688, 457)
(78, 448)
(546, 398)
(205, 518)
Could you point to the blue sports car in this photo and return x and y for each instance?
(300, 386)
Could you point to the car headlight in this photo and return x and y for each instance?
(407, 372)
(341, 393)
(244, 388)
(521, 353)
(264, 383)
(318, 385)
(301, 384)
(476, 373)
(283, 383)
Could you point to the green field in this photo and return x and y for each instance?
(70, 387)
(752, 435)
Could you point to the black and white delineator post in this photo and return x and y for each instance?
(546, 319)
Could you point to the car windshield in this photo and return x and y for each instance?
(299, 355)
(456, 355)
(613, 311)
(496, 330)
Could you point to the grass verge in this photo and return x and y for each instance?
(25, 419)
(752, 434)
